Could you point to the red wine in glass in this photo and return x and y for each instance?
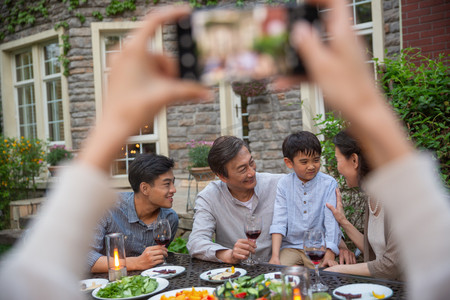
(162, 233)
(315, 256)
(315, 246)
(253, 234)
(162, 241)
(252, 229)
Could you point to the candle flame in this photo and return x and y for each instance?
(297, 295)
(116, 259)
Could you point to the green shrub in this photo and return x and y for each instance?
(352, 199)
(418, 90)
(178, 246)
(21, 160)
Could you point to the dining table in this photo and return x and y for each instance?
(194, 267)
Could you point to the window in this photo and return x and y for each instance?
(34, 93)
(367, 21)
(25, 95)
(152, 137)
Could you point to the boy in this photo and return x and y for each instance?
(300, 203)
(152, 181)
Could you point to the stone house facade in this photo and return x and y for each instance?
(39, 101)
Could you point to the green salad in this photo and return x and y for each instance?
(129, 286)
(249, 288)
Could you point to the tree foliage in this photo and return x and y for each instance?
(418, 90)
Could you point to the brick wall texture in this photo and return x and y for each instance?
(426, 25)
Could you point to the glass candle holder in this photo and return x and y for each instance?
(296, 284)
(115, 253)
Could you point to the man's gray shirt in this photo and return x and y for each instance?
(123, 218)
(217, 211)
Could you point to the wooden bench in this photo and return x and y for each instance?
(23, 208)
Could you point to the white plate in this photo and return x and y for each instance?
(151, 272)
(174, 292)
(93, 281)
(162, 284)
(205, 275)
(271, 276)
(365, 289)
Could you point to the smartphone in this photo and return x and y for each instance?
(240, 44)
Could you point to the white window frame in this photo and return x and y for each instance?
(312, 98)
(8, 51)
(99, 31)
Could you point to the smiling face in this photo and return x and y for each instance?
(160, 194)
(241, 172)
(305, 166)
(347, 167)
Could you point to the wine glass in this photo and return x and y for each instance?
(252, 227)
(315, 246)
(162, 234)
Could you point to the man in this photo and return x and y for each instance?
(152, 181)
(222, 206)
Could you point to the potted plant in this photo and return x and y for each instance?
(250, 89)
(55, 156)
(198, 159)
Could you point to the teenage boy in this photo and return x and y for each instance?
(152, 181)
(300, 203)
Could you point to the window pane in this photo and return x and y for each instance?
(27, 111)
(119, 168)
(55, 110)
(147, 128)
(149, 148)
(128, 153)
(24, 66)
(368, 39)
(363, 13)
(51, 53)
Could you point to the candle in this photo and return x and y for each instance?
(115, 251)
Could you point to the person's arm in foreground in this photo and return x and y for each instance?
(51, 261)
(405, 181)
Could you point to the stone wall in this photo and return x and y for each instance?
(271, 119)
(391, 26)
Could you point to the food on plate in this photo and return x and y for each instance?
(191, 294)
(165, 271)
(321, 296)
(93, 286)
(246, 287)
(378, 296)
(227, 274)
(349, 296)
(129, 286)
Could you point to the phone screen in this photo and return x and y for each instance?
(230, 44)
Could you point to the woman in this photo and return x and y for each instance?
(377, 243)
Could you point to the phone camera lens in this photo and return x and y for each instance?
(185, 41)
(184, 23)
(188, 60)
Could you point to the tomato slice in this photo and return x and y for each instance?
(240, 295)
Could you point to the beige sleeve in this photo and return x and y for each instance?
(52, 257)
(413, 195)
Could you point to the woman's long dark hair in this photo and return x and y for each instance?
(348, 145)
